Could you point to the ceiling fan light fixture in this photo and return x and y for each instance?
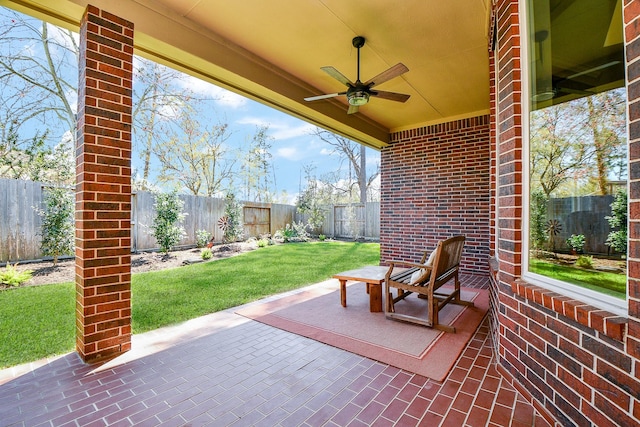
(358, 98)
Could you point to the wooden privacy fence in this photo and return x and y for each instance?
(20, 224)
(350, 221)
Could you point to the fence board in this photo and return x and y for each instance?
(18, 220)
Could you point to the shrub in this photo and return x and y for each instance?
(167, 224)
(585, 261)
(232, 223)
(206, 253)
(617, 239)
(576, 242)
(538, 215)
(322, 237)
(202, 238)
(293, 233)
(263, 243)
(12, 277)
(58, 226)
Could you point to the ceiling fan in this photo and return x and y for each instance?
(358, 93)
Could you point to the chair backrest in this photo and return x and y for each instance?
(447, 259)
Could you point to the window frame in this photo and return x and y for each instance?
(597, 299)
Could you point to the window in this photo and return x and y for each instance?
(577, 150)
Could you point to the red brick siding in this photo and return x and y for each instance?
(435, 184)
(631, 19)
(577, 362)
(103, 189)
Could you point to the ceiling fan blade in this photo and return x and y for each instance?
(352, 109)
(325, 96)
(391, 96)
(337, 75)
(392, 72)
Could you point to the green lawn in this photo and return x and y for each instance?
(608, 283)
(39, 321)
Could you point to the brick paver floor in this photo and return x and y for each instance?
(225, 370)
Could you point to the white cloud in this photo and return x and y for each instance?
(72, 99)
(61, 36)
(168, 112)
(255, 121)
(281, 129)
(220, 96)
(287, 132)
(289, 153)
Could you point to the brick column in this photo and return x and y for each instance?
(103, 187)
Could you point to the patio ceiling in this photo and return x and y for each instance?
(272, 51)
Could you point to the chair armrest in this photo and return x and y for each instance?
(404, 264)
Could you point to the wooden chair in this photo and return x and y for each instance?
(425, 279)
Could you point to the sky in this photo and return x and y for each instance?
(293, 145)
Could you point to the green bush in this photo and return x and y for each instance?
(202, 238)
(293, 233)
(206, 253)
(617, 239)
(538, 216)
(58, 226)
(12, 277)
(585, 261)
(232, 223)
(576, 242)
(167, 224)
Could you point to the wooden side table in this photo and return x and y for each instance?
(372, 276)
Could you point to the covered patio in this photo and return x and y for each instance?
(453, 162)
(223, 370)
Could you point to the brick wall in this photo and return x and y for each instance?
(103, 189)
(631, 20)
(576, 362)
(435, 184)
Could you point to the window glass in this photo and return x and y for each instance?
(577, 144)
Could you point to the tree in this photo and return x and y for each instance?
(38, 91)
(357, 182)
(58, 226)
(159, 100)
(167, 225)
(256, 168)
(232, 224)
(310, 202)
(617, 239)
(38, 80)
(578, 146)
(38, 70)
(557, 152)
(606, 121)
(538, 221)
(196, 158)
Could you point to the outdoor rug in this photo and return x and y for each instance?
(316, 313)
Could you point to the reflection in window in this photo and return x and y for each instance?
(577, 144)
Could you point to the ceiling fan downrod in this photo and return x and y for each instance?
(358, 42)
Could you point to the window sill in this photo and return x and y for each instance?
(609, 324)
(606, 323)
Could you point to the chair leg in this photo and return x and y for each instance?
(456, 298)
(435, 308)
